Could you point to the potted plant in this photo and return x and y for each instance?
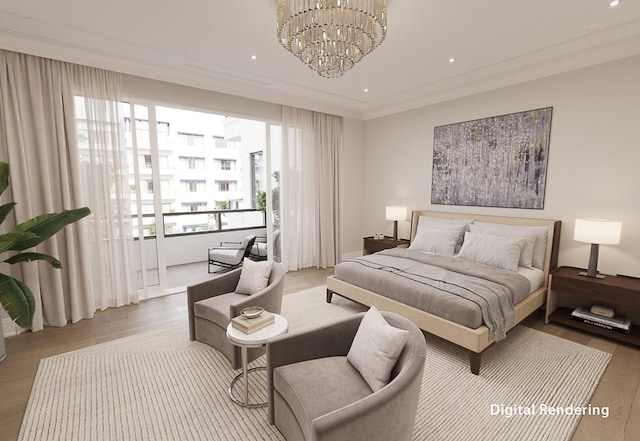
(16, 298)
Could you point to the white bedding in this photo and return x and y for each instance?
(535, 277)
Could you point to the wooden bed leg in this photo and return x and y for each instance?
(474, 360)
(329, 295)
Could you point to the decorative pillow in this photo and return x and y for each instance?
(460, 225)
(436, 240)
(254, 276)
(376, 348)
(526, 257)
(501, 252)
(540, 248)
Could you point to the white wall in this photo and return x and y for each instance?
(593, 169)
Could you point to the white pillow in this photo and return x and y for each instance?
(435, 240)
(254, 276)
(540, 248)
(526, 257)
(501, 252)
(460, 225)
(376, 348)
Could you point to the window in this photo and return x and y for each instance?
(219, 142)
(225, 186)
(191, 139)
(147, 160)
(257, 183)
(225, 164)
(194, 206)
(191, 163)
(192, 186)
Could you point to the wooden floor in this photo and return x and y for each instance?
(619, 388)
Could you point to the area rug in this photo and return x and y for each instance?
(160, 386)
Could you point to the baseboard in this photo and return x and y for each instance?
(352, 254)
(8, 327)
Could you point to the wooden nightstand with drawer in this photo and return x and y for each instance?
(371, 245)
(617, 291)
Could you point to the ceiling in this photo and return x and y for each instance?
(209, 44)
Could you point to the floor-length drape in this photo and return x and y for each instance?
(311, 224)
(38, 138)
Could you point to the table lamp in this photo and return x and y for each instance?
(396, 214)
(596, 232)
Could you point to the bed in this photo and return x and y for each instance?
(453, 250)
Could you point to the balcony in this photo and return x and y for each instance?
(187, 235)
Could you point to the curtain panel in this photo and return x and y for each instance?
(38, 138)
(311, 220)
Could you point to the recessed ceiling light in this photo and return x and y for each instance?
(614, 3)
(253, 57)
(366, 90)
(452, 60)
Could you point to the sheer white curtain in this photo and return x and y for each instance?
(311, 152)
(104, 181)
(38, 138)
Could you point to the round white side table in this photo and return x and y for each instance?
(254, 340)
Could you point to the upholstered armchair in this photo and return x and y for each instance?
(314, 393)
(212, 304)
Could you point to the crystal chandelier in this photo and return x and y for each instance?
(331, 36)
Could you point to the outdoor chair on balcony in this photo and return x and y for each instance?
(259, 248)
(230, 254)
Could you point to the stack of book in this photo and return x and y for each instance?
(618, 323)
(249, 325)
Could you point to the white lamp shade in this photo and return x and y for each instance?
(600, 231)
(396, 213)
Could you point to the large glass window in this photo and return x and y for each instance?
(190, 173)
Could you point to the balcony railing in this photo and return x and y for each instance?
(199, 222)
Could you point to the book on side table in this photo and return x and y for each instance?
(616, 323)
(249, 325)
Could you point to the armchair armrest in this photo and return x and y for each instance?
(224, 245)
(269, 298)
(222, 284)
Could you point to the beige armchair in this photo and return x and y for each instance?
(315, 394)
(212, 304)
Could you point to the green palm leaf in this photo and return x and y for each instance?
(29, 257)
(9, 239)
(4, 176)
(17, 300)
(5, 210)
(46, 225)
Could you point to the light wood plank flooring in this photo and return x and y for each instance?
(619, 388)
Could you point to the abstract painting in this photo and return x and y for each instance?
(493, 162)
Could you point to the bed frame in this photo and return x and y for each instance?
(474, 340)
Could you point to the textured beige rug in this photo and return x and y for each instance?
(160, 386)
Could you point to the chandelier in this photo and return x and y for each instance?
(331, 36)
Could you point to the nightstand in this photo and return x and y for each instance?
(612, 290)
(372, 245)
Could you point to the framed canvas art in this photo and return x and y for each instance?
(499, 161)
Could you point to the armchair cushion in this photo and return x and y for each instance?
(254, 276)
(334, 379)
(376, 348)
(216, 309)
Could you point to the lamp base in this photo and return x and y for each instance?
(597, 276)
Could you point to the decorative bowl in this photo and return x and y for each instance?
(251, 312)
